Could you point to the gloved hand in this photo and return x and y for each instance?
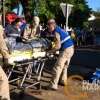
(53, 45)
(11, 61)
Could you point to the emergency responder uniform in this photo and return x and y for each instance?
(4, 85)
(65, 44)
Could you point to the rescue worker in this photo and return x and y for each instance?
(64, 43)
(13, 33)
(13, 29)
(4, 85)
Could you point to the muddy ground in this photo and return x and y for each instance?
(83, 63)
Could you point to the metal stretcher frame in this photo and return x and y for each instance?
(30, 64)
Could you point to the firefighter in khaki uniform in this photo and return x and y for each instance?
(4, 85)
(63, 43)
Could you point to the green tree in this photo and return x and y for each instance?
(80, 13)
(51, 9)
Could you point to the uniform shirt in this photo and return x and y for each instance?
(63, 39)
(12, 31)
(3, 47)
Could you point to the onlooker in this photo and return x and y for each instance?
(34, 29)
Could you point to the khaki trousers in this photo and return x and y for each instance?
(4, 85)
(61, 66)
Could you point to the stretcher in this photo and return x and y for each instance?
(27, 61)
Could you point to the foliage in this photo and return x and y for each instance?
(51, 9)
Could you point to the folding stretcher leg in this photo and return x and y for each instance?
(38, 73)
(41, 69)
(37, 70)
(34, 66)
(11, 71)
(30, 72)
(26, 73)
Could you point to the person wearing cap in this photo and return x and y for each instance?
(13, 30)
(4, 85)
(13, 33)
(64, 44)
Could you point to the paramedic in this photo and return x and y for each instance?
(13, 33)
(63, 43)
(13, 30)
(4, 85)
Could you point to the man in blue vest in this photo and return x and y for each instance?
(65, 44)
